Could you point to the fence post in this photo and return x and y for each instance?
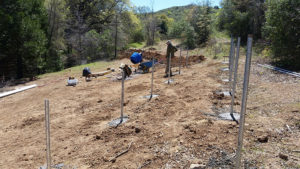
(230, 52)
(153, 66)
(180, 58)
(47, 125)
(235, 78)
(169, 77)
(122, 96)
(244, 102)
(187, 58)
(231, 65)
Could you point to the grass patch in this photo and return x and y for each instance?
(78, 69)
(137, 45)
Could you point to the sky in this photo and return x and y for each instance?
(163, 4)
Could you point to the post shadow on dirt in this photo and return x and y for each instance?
(123, 118)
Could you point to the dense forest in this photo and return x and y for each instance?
(40, 36)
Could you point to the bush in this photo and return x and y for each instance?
(176, 29)
(282, 30)
(189, 37)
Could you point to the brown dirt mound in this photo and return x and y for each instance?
(148, 54)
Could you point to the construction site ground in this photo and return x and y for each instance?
(179, 128)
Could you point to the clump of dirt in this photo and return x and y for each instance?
(30, 121)
(148, 54)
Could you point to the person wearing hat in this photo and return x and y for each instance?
(170, 53)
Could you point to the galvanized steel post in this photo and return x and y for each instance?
(231, 66)
(122, 96)
(180, 58)
(235, 78)
(244, 102)
(230, 52)
(153, 66)
(47, 125)
(187, 59)
(169, 77)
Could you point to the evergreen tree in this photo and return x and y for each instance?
(23, 27)
(241, 18)
(201, 22)
(282, 29)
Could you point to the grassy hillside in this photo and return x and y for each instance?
(176, 12)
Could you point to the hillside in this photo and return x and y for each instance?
(176, 12)
(179, 128)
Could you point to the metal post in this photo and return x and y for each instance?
(187, 58)
(230, 52)
(244, 102)
(122, 96)
(180, 58)
(153, 66)
(231, 67)
(235, 78)
(169, 77)
(47, 125)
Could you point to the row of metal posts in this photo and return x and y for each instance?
(231, 61)
(47, 115)
(233, 64)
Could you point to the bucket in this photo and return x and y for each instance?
(136, 58)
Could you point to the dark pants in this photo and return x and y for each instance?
(167, 67)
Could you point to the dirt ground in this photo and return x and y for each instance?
(179, 128)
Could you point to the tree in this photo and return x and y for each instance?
(164, 23)
(55, 34)
(177, 28)
(85, 16)
(241, 18)
(189, 35)
(201, 22)
(23, 28)
(282, 30)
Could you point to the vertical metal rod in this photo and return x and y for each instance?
(187, 58)
(122, 95)
(153, 66)
(230, 52)
(231, 67)
(235, 78)
(244, 102)
(47, 125)
(169, 76)
(180, 58)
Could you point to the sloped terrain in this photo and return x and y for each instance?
(176, 129)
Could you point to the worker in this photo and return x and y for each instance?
(170, 53)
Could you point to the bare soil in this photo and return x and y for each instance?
(179, 128)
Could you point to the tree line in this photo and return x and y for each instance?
(40, 36)
(275, 23)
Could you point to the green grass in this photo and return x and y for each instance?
(137, 45)
(101, 65)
